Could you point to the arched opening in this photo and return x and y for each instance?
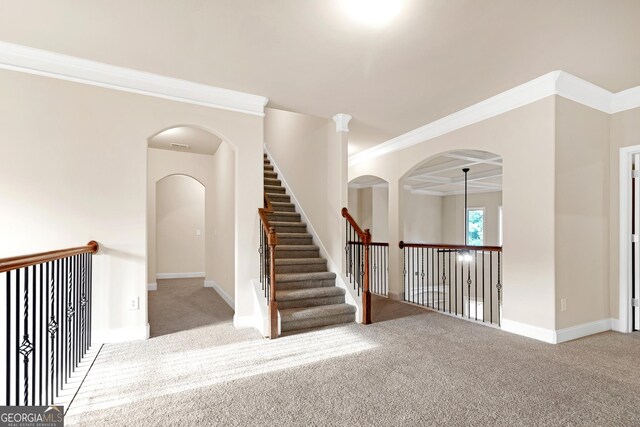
(452, 234)
(434, 199)
(190, 229)
(368, 204)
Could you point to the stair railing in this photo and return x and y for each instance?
(454, 279)
(357, 265)
(267, 251)
(46, 317)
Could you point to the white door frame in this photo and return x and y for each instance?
(624, 292)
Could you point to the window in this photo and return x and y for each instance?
(475, 233)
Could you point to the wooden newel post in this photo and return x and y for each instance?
(273, 305)
(366, 295)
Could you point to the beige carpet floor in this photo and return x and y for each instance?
(413, 367)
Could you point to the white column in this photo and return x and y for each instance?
(340, 181)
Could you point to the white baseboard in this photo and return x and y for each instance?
(586, 329)
(529, 331)
(560, 335)
(152, 286)
(190, 275)
(115, 335)
(213, 284)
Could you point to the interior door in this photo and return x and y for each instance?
(635, 282)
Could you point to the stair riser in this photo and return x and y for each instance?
(297, 253)
(270, 175)
(295, 240)
(284, 198)
(304, 284)
(283, 218)
(276, 190)
(290, 229)
(268, 167)
(296, 325)
(300, 268)
(310, 302)
(273, 182)
(283, 208)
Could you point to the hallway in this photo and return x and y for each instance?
(413, 367)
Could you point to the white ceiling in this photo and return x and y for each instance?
(435, 58)
(199, 141)
(443, 175)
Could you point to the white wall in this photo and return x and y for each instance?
(180, 229)
(422, 218)
(370, 208)
(78, 172)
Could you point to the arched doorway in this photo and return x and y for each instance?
(182, 234)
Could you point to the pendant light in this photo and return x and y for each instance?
(465, 254)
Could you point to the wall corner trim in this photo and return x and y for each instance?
(225, 296)
(51, 64)
(557, 82)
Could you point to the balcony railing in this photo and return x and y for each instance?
(465, 281)
(45, 323)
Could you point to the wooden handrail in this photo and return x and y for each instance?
(371, 243)
(354, 224)
(447, 246)
(14, 263)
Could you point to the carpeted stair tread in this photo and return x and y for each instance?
(278, 197)
(297, 251)
(288, 217)
(303, 313)
(272, 182)
(283, 207)
(308, 248)
(299, 277)
(270, 174)
(299, 261)
(298, 294)
(274, 189)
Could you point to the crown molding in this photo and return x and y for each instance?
(558, 83)
(50, 64)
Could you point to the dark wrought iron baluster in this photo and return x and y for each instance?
(17, 337)
(26, 347)
(8, 339)
(491, 286)
(468, 289)
(499, 288)
(475, 292)
(404, 273)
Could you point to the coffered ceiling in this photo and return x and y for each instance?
(435, 58)
(443, 175)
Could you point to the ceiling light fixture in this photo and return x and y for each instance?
(374, 13)
(185, 146)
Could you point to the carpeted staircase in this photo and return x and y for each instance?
(306, 291)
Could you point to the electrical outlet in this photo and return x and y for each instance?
(134, 303)
(563, 304)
